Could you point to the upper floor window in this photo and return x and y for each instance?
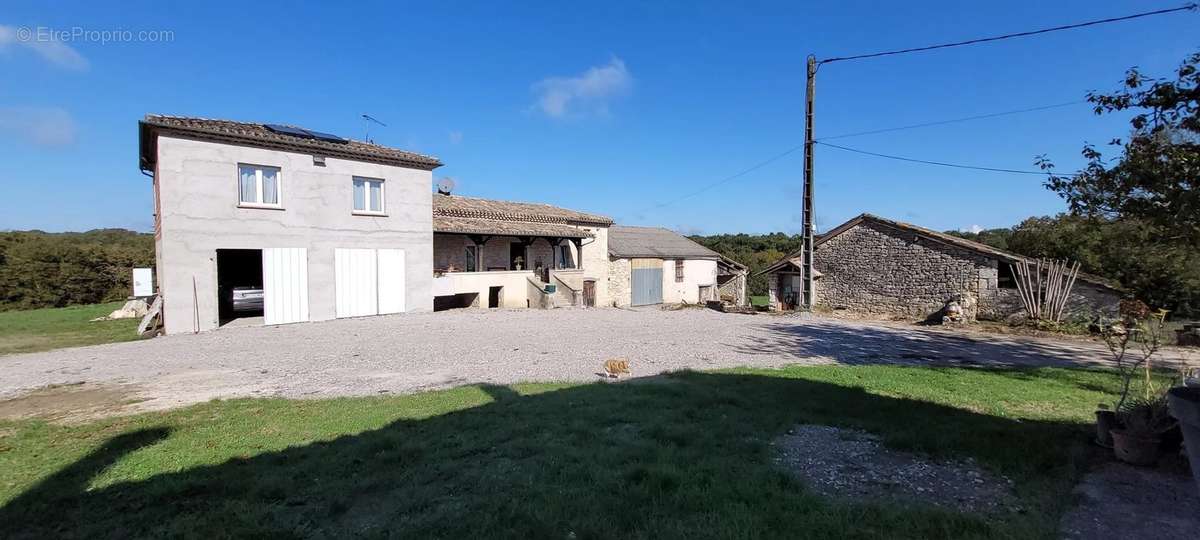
(678, 270)
(368, 195)
(258, 185)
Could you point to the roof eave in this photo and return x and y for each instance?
(154, 129)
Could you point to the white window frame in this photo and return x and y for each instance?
(366, 180)
(258, 187)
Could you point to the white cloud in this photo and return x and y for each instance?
(51, 50)
(456, 137)
(43, 126)
(974, 229)
(586, 93)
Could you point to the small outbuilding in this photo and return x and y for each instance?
(651, 265)
(874, 265)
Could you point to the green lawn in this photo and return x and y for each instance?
(684, 456)
(55, 328)
(760, 300)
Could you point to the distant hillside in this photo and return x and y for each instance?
(40, 269)
(756, 251)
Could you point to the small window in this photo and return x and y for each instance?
(368, 196)
(1004, 276)
(471, 256)
(258, 186)
(678, 270)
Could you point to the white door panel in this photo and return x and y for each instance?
(356, 282)
(391, 280)
(285, 285)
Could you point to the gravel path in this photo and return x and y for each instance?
(406, 353)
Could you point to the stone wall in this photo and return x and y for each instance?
(620, 278)
(1087, 301)
(734, 286)
(450, 250)
(873, 268)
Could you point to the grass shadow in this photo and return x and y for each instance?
(692, 458)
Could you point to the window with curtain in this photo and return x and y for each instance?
(258, 185)
(368, 195)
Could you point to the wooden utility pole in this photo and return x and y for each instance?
(807, 242)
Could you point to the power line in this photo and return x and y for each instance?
(1190, 6)
(729, 178)
(952, 121)
(927, 162)
(793, 149)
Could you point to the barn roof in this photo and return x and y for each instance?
(626, 241)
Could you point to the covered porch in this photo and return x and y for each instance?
(484, 263)
(784, 284)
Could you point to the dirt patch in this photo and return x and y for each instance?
(1122, 501)
(70, 402)
(852, 464)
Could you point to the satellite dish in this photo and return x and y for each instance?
(445, 185)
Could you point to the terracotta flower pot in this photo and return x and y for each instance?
(1135, 449)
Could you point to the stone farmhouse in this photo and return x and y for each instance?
(317, 227)
(874, 265)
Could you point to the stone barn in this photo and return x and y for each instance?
(873, 265)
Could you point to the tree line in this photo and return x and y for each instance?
(40, 269)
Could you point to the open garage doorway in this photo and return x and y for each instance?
(240, 286)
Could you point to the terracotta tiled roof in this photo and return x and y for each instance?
(250, 134)
(470, 207)
(494, 227)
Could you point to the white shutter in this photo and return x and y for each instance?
(391, 280)
(355, 282)
(285, 285)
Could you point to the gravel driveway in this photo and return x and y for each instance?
(406, 353)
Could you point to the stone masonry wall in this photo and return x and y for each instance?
(620, 279)
(876, 269)
(1087, 300)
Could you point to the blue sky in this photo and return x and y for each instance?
(608, 107)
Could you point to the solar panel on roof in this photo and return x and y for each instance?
(289, 130)
(326, 136)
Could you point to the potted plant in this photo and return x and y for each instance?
(1133, 341)
(1143, 421)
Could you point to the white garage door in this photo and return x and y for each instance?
(368, 281)
(285, 285)
(391, 280)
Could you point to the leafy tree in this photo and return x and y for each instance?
(997, 238)
(756, 251)
(39, 269)
(1157, 177)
